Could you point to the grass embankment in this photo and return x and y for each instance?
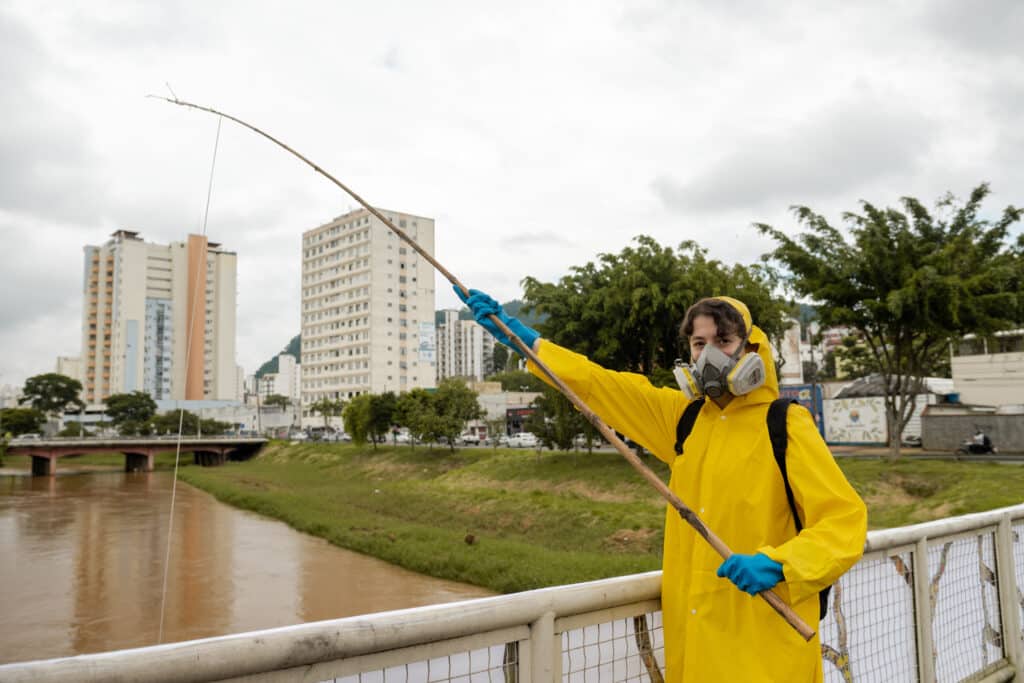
(911, 491)
(534, 520)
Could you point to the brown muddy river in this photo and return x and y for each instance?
(82, 568)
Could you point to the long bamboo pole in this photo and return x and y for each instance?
(691, 518)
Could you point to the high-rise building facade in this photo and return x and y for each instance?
(367, 308)
(159, 318)
(464, 348)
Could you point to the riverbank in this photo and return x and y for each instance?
(512, 520)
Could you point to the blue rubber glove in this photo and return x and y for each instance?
(751, 573)
(483, 306)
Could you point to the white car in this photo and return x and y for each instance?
(523, 440)
(469, 437)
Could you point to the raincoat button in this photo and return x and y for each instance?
(693, 611)
(723, 417)
(702, 511)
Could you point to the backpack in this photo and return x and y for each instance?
(780, 440)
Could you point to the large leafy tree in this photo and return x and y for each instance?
(52, 393)
(910, 281)
(18, 421)
(439, 415)
(132, 412)
(624, 310)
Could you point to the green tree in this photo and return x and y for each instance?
(501, 353)
(414, 411)
(517, 380)
(624, 311)
(854, 359)
(381, 416)
(357, 419)
(328, 409)
(189, 422)
(555, 421)
(52, 393)
(74, 429)
(454, 404)
(18, 421)
(909, 281)
(131, 413)
(277, 400)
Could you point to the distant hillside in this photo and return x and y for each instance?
(294, 348)
(513, 308)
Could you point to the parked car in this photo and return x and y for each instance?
(470, 438)
(403, 437)
(523, 440)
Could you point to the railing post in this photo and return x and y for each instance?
(1009, 612)
(923, 613)
(542, 649)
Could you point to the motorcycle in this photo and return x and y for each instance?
(976, 446)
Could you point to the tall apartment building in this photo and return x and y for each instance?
(464, 348)
(70, 366)
(143, 304)
(367, 308)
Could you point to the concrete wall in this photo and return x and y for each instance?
(944, 431)
(993, 379)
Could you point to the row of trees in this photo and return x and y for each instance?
(133, 414)
(433, 416)
(907, 280)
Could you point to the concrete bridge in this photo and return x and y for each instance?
(138, 451)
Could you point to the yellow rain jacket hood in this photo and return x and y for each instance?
(727, 474)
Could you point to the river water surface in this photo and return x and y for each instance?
(82, 568)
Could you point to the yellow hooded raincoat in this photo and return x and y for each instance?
(728, 476)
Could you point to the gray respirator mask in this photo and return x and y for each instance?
(716, 372)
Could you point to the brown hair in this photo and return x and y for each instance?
(727, 319)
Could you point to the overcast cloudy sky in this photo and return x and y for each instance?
(536, 134)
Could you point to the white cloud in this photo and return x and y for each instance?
(536, 135)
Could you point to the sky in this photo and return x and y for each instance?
(536, 134)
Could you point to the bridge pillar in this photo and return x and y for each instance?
(208, 458)
(138, 462)
(44, 466)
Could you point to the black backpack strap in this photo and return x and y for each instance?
(779, 436)
(686, 422)
(780, 442)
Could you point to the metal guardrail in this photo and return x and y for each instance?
(938, 601)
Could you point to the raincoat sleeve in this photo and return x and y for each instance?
(627, 402)
(834, 516)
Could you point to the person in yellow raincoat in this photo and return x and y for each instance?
(715, 627)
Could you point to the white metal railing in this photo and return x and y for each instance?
(931, 602)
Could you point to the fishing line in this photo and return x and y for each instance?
(200, 276)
